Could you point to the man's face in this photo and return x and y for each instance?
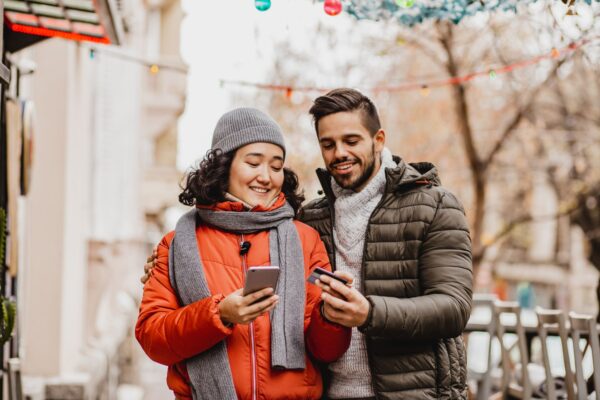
(351, 155)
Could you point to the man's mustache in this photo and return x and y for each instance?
(344, 160)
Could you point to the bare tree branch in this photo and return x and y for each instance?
(461, 98)
(525, 219)
(423, 45)
(518, 117)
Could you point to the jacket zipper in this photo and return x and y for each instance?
(362, 267)
(362, 264)
(362, 282)
(333, 248)
(251, 331)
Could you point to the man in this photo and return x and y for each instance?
(402, 242)
(405, 240)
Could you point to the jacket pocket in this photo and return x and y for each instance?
(405, 369)
(460, 386)
(451, 368)
(442, 367)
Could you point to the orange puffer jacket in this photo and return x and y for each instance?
(170, 334)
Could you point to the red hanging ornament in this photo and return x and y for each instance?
(333, 7)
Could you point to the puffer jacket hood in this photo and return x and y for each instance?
(414, 172)
(404, 175)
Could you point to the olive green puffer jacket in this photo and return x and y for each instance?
(417, 275)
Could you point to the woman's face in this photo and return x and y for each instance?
(256, 174)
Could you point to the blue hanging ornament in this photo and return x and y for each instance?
(262, 5)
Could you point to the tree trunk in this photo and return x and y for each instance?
(587, 217)
(478, 169)
(480, 191)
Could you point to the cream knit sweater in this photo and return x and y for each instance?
(350, 375)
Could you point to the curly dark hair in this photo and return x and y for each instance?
(207, 184)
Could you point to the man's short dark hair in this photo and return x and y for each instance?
(346, 100)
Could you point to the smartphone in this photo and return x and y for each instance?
(258, 278)
(317, 272)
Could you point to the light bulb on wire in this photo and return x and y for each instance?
(332, 7)
(262, 5)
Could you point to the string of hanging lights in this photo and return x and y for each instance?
(425, 86)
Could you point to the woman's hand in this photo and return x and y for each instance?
(239, 309)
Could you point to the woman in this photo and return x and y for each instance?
(217, 343)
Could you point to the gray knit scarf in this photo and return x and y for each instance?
(209, 371)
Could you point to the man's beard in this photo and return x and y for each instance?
(364, 177)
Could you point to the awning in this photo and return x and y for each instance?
(29, 21)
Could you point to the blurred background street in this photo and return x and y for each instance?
(106, 104)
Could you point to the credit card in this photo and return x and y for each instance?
(318, 272)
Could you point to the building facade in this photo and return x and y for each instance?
(102, 176)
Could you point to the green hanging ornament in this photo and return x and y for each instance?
(2, 238)
(405, 3)
(7, 324)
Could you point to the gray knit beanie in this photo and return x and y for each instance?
(243, 126)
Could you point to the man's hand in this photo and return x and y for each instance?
(324, 285)
(238, 309)
(343, 304)
(150, 264)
